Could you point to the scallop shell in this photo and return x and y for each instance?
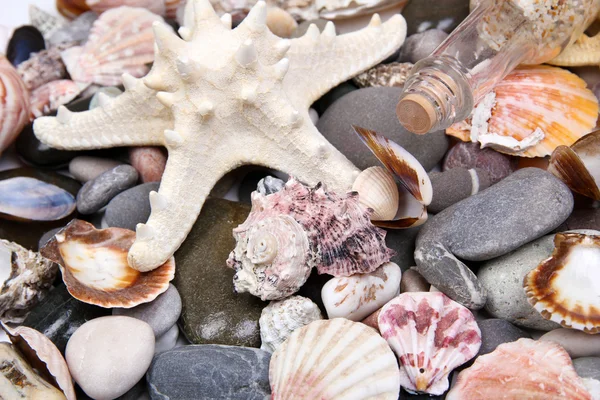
(431, 335)
(14, 104)
(121, 41)
(50, 96)
(387, 75)
(565, 288)
(334, 359)
(94, 266)
(280, 318)
(377, 190)
(43, 67)
(34, 200)
(289, 232)
(525, 369)
(43, 355)
(100, 6)
(530, 112)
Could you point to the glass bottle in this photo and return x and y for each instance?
(496, 37)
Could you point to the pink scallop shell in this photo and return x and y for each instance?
(14, 104)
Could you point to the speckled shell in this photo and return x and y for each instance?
(14, 104)
(27, 279)
(431, 335)
(334, 359)
(280, 318)
(121, 41)
(565, 288)
(388, 75)
(94, 266)
(289, 232)
(43, 67)
(525, 369)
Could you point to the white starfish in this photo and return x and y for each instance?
(221, 98)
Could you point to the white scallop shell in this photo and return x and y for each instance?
(280, 318)
(377, 190)
(334, 359)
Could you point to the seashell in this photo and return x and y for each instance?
(94, 266)
(377, 190)
(530, 112)
(50, 96)
(431, 335)
(43, 355)
(26, 279)
(100, 6)
(280, 22)
(121, 41)
(577, 166)
(565, 288)
(25, 41)
(356, 297)
(280, 318)
(45, 22)
(43, 67)
(334, 359)
(289, 232)
(71, 8)
(14, 104)
(584, 51)
(75, 32)
(30, 199)
(525, 369)
(389, 75)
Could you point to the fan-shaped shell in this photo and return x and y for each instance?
(377, 190)
(50, 96)
(14, 104)
(121, 41)
(280, 318)
(100, 6)
(334, 359)
(43, 355)
(565, 288)
(530, 112)
(431, 335)
(94, 266)
(525, 369)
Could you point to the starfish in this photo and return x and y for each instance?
(219, 98)
(585, 51)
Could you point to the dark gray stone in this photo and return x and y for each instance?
(427, 14)
(587, 367)
(130, 207)
(521, 208)
(161, 313)
(374, 108)
(583, 218)
(454, 185)
(47, 236)
(402, 241)
(494, 332)
(469, 155)
(321, 105)
(96, 193)
(210, 372)
(421, 45)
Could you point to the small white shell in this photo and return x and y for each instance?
(377, 190)
(280, 318)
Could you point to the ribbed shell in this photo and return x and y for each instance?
(100, 6)
(14, 104)
(377, 190)
(50, 96)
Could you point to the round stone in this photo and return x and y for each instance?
(587, 367)
(494, 332)
(86, 168)
(149, 161)
(96, 193)
(130, 207)
(469, 155)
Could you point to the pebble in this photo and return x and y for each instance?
(110, 91)
(515, 211)
(420, 45)
(469, 155)
(168, 340)
(130, 207)
(107, 356)
(374, 108)
(38, 154)
(212, 312)
(412, 281)
(210, 372)
(161, 313)
(454, 185)
(427, 14)
(576, 343)
(47, 236)
(86, 168)
(587, 367)
(494, 332)
(321, 105)
(96, 193)
(582, 218)
(149, 161)
(402, 241)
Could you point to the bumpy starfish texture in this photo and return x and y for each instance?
(584, 52)
(221, 98)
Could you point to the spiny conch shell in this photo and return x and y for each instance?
(26, 279)
(530, 112)
(280, 318)
(43, 67)
(14, 103)
(43, 355)
(565, 288)
(410, 173)
(388, 75)
(334, 359)
(94, 266)
(377, 190)
(578, 166)
(50, 96)
(525, 369)
(30, 199)
(289, 232)
(121, 41)
(431, 335)
(45, 22)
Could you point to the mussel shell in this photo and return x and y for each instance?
(24, 41)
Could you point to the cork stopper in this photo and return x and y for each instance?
(416, 113)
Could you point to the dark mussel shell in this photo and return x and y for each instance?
(24, 41)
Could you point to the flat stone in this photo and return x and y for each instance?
(524, 206)
(427, 14)
(168, 340)
(212, 312)
(161, 313)
(149, 161)
(86, 168)
(402, 241)
(412, 281)
(420, 45)
(587, 367)
(130, 207)
(375, 108)
(454, 185)
(210, 372)
(96, 193)
(469, 155)
(576, 343)
(583, 218)
(494, 332)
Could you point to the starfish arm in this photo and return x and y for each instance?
(584, 52)
(319, 62)
(135, 118)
